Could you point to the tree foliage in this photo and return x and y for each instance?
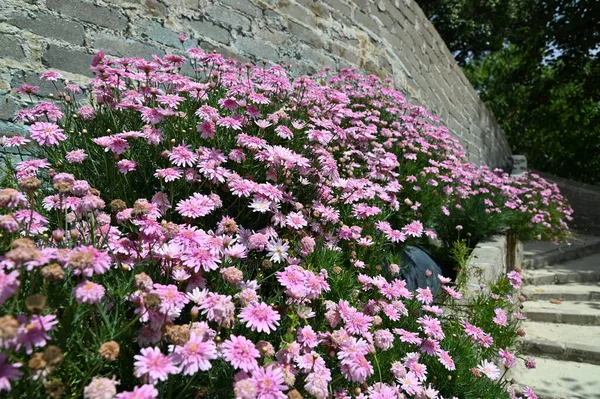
(535, 64)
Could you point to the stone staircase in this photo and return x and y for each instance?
(562, 287)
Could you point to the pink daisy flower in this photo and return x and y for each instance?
(76, 156)
(34, 332)
(88, 292)
(88, 260)
(197, 205)
(500, 318)
(9, 283)
(241, 353)
(154, 364)
(8, 372)
(181, 155)
(51, 76)
(424, 295)
(195, 355)
(260, 317)
(446, 360)
(144, 392)
(269, 383)
(168, 174)
(296, 220)
(126, 166)
(489, 369)
(45, 133)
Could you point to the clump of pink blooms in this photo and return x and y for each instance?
(231, 205)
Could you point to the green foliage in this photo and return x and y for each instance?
(535, 64)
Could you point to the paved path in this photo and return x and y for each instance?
(562, 287)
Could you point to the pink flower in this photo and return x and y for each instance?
(530, 363)
(144, 392)
(45, 133)
(446, 360)
(88, 292)
(507, 358)
(34, 333)
(126, 166)
(195, 355)
(27, 89)
(9, 283)
(489, 369)
(101, 388)
(197, 205)
(8, 372)
(76, 156)
(51, 76)
(414, 229)
(500, 318)
(295, 220)
(183, 156)
(515, 279)
(168, 174)
(384, 339)
(154, 364)
(88, 260)
(241, 353)
(278, 251)
(260, 317)
(269, 383)
(424, 295)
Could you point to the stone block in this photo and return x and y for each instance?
(102, 16)
(47, 25)
(154, 30)
(227, 18)
(256, 48)
(296, 12)
(244, 6)
(339, 8)
(10, 47)
(120, 47)
(305, 34)
(206, 29)
(8, 108)
(315, 7)
(12, 129)
(65, 59)
(366, 21)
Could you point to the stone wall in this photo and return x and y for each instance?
(389, 38)
(585, 201)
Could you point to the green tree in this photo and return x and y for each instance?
(535, 64)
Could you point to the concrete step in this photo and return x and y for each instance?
(539, 254)
(559, 379)
(562, 341)
(559, 276)
(563, 292)
(580, 270)
(577, 312)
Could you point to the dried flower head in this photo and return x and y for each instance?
(37, 362)
(8, 328)
(53, 272)
(53, 355)
(109, 350)
(176, 334)
(30, 184)
(117, 205)
(36, 303)
(55, 389)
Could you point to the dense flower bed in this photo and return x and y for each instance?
(237, 233)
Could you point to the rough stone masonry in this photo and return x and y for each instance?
(388, 38)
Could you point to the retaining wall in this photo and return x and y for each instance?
(389, 38)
